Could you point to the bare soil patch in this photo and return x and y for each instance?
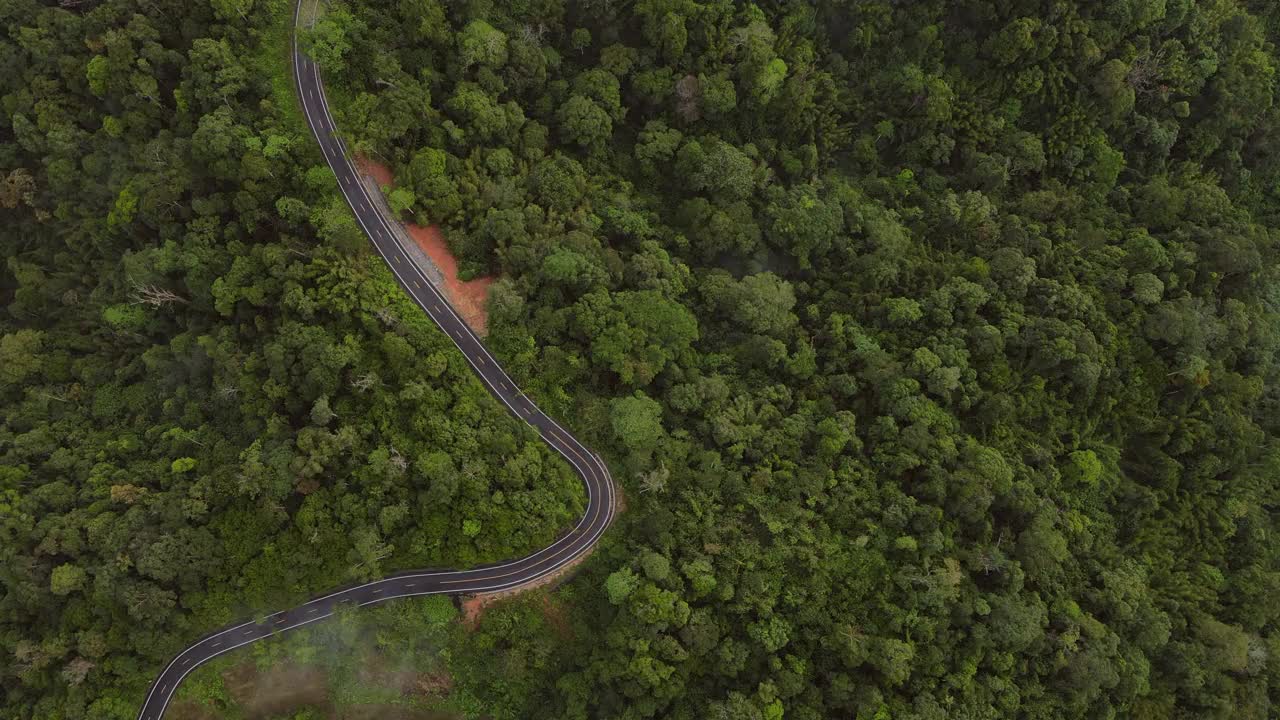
(391, 712)
(557, 617)
(266, 694)
(262, 694)
(433, 684)
(188, 710)
(467, 296)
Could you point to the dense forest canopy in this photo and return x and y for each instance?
(934, 342)
(937, 339)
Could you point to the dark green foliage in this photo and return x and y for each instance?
(937, 340)
(938, 337)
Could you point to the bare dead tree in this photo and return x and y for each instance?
(689, 94)
(17, 187)
(533, 33)
(602, 8)
(380, 554)
(655, 480)
(852, 634)
(472, 470)
(992, 559)
(757, 33)
(398, 461)
(387, 317)
(1144, 73)
(365, 382)
(247, 487)
(299, 249)
(495, 43)
(155, 296)
(990, 562)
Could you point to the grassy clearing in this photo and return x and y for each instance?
(274, 60)
(387, 658)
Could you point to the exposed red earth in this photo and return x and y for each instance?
(469, 297)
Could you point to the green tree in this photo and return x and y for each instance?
(480, 43)
(717, 168)
(20, 356)
(636, 421)
(66, 579)
(620, 585)
(584, 123)
(331, 38)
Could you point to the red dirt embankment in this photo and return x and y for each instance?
(467, 296)
(473, 606)
(555, 613)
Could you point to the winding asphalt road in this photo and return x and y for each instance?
(588, 465)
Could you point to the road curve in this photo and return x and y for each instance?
(500, 576)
